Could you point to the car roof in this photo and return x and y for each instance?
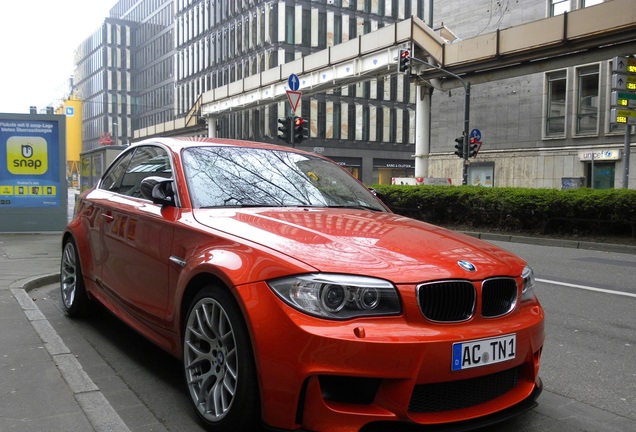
(176, 144)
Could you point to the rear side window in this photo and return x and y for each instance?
(126, 174)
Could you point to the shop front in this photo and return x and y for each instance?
(384, 170)
(600, 167)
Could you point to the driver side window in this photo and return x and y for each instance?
(125, 177)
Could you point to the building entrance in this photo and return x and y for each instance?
(600, 175)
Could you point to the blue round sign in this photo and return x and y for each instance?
(475, 133)
(293, 82)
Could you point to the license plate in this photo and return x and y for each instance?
(484, 352)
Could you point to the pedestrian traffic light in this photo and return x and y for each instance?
(404, 61)
(459, 147)
(300, 130)
(285, 131)
(473, 147)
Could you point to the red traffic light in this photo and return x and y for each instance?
(298, 121)
(404, 61)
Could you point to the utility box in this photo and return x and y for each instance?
(572, 182)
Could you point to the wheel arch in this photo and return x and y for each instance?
(81, 249)
(196, 284)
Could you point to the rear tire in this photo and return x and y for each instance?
(218, 363)
(74, 297)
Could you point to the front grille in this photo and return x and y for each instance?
(454, 395)
(499, 296)
(449, 301)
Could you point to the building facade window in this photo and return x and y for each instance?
(337, 121)
(555, 106)
(558, 7)
(379, 124)
(587, 100)
(366, 123)
(392, 125)
(322, 30)
(337, 29)
(321, 119)
(290, 26)
(351, 118)
(586, 3)
(306, 27)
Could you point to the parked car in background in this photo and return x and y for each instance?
(295, 298)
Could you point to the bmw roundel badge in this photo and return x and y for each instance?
(467, 265)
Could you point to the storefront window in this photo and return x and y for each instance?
(384, 170)
(350, 164)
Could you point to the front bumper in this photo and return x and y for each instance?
(322, 375)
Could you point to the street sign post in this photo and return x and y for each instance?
(623, 116)
(624, 81)
(293, 95)
(624, 78)
(293, 82)
(294, 98)
(623, 99)
(624, 64)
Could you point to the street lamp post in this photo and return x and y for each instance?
(115, 133)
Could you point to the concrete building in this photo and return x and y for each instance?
(124, 72)
(546, 129)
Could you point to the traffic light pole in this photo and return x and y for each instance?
(290, 117)
(466, 115)
(466, 130)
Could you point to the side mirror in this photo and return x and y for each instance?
(378, 195)
(158, 190)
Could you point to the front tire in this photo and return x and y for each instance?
(74, 297)
(219, 364)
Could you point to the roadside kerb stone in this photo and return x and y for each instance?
(97, 409)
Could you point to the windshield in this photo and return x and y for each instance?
(246, 177)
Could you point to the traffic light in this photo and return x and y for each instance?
(404, 61)
(300, 130)
(473, 147)
(459, 147)
(285, 131)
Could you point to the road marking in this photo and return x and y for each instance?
(588, 288)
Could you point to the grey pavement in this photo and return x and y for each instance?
(42, 385)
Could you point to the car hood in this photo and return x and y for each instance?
(377, 244)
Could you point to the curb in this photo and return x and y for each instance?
(95, 406)
(542, 241)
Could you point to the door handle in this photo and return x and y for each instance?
(107, 217)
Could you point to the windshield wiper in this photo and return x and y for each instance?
(239, 206)
(356, 206)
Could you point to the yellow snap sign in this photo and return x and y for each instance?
(27, 155)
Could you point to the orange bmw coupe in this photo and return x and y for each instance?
(295, 299)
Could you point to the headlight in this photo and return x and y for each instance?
(527, 289)
(337, 296)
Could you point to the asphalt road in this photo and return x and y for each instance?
(587, 367)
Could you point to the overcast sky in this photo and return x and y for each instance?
(37, 43)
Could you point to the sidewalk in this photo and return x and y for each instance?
(43, 385)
